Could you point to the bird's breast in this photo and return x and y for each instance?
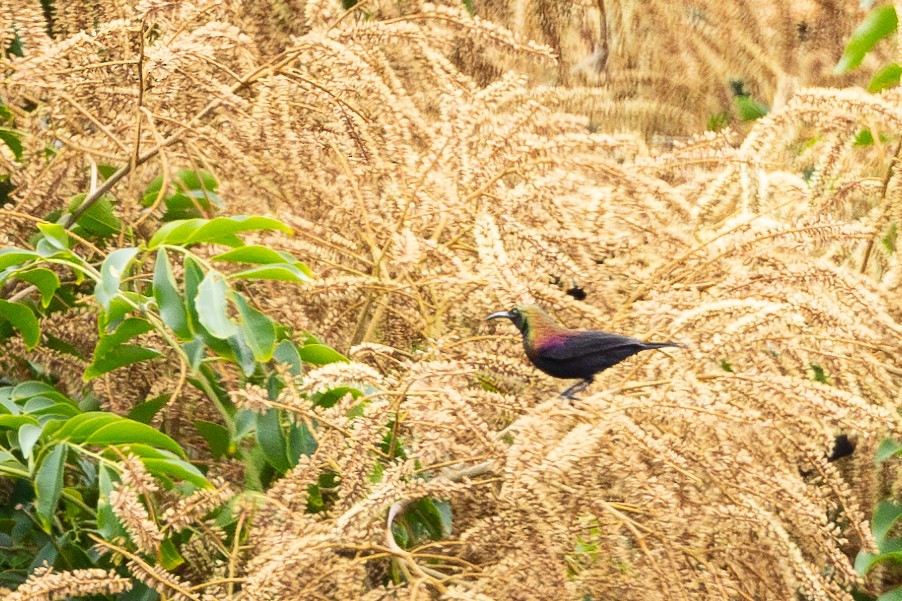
(536, 350)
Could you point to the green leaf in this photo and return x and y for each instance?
(110, 352)
(309, 338)
(56, 235)
(106, 170)
(37, 404)
(126, 431)
(254, 467)
(220, 230)
(48, 483)
(214, 384)
(889, 447)
(16, 421)
(886, 77)
(320, 354)
(7, 405)
(28, 435)
(272, 440)
(81, 426)
(878, 24)
(10, 256)
(865, 562)
(104, 429)
(471, 8)
(112, 270)
(171, 558)
(46, 555)
(889, 239)
(105, 479)
(30, 388)
(718, 121)
(258, 330)
(58, 344)
(53, 410)
(72, 502)
(143, 451)
(59, 398)
(107, 523)
(99, 218)
(217, 437)
(195, 193)
(300, 442)
(196, 179)
(282, 272)
(172, 306)
(176, 468)
(819, 375)
(885, 517)
(12, 465)
(120, 356)
(175, 233)
(864, 137)
(13, 140)
(422, 520)
(893, 595)
(194, 275)
(119, 310)
(239, 352)
(260, 255)
(434, 515)
(22, 319)
(330, 397)
(212, 306)
(185, 179)
(46, 281)
(146, 411)
(224, 227)
(138, 592)
(245, 422)
(401, 535)
(378, 474)
(286, 352)
(750, 109)
(126, 330)
(195, 351)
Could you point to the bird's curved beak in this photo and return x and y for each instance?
(500, 314)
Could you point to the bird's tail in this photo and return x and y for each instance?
(653, 345)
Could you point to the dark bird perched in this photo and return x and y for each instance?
(565, 353)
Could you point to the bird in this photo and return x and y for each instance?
(569, 353)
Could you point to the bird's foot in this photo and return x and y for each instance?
(571, 392)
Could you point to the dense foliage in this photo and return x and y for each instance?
(246, 250)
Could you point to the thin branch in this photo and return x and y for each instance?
(270, 68)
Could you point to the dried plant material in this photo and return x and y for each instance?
(126, 501)
(45, 584)
(426, 191)
(194, 507)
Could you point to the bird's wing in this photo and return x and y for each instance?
(590, 342)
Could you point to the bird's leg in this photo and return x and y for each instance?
(570, 393)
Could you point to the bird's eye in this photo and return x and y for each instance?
(515, 312)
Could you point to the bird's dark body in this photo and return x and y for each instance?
(566, 353)
(582, 354)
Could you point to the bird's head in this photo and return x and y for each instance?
(521, 316)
